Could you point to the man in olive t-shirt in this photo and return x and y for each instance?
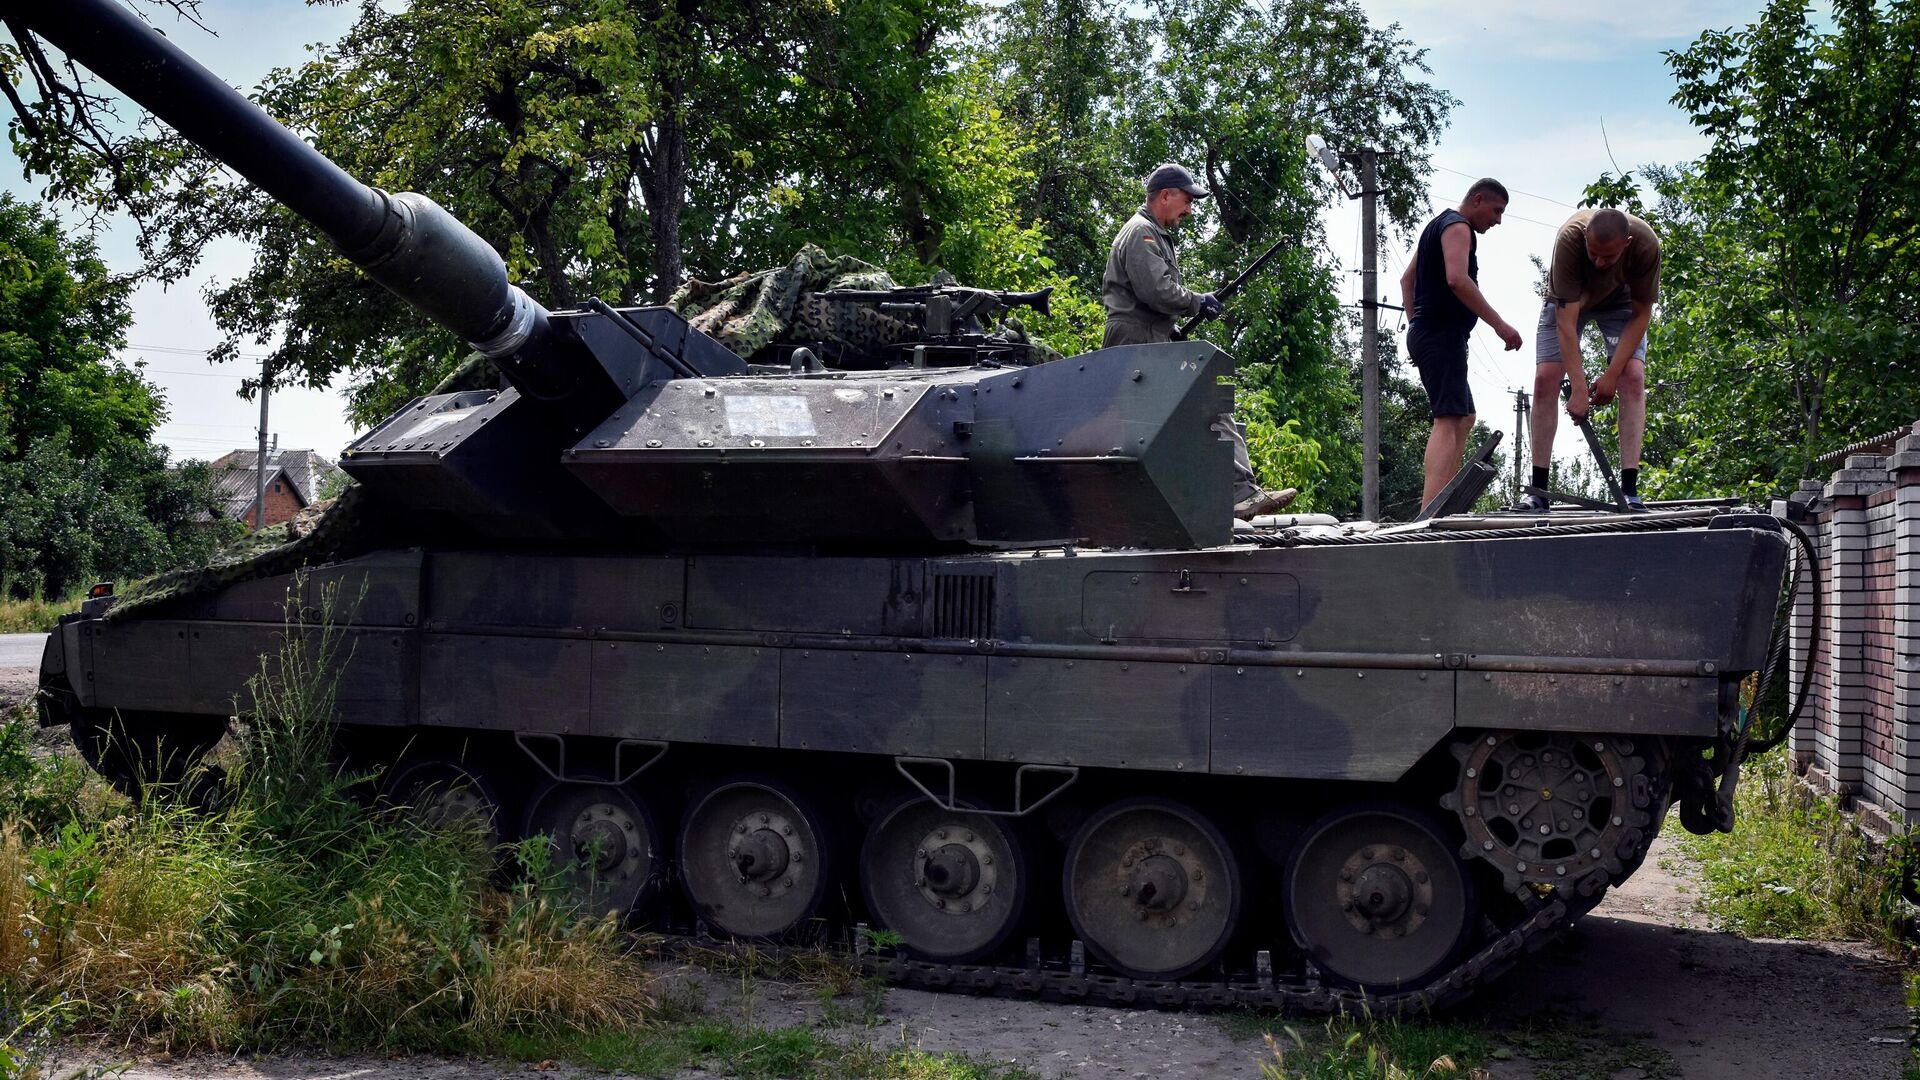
(1606, 271)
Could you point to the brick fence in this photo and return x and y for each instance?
(1859, 735)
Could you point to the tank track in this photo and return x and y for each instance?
(1533, 930)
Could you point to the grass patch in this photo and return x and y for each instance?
(1798, 866)
(36, 615)
(293, 914)
(1363, 1048)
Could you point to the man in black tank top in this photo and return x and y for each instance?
(1441, 293)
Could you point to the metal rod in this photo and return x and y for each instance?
(1227, 291)
(645, 340)
(1369, 338)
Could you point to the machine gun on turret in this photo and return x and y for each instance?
(943, 325)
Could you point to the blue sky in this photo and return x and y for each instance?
(1536, 82)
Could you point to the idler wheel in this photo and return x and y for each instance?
(752, 860)
(1553, 808)
(952, 884)
(448, 792)
(604, 841)
(1153, 888)
(1376, 897)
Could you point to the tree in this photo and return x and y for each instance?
(1789, 292)
(83, 491)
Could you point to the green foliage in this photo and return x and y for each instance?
(84, 493)
(1800, 867)
(38, 794)
(1789, 307)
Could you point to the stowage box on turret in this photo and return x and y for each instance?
(967, 647)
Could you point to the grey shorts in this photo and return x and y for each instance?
(1612, 322)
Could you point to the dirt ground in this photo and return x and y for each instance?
(1639, 989)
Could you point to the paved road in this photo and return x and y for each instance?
(21, 652)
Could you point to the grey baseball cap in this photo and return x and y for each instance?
(1174, 176)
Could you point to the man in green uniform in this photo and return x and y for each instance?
(1605, 271)
(1142, 289)
(1143, 295)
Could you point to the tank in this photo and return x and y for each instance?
(945, 642)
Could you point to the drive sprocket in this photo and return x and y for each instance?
(1553, 808)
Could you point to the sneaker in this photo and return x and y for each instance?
(1264, 502)
(1534, 504)
(1635, 506)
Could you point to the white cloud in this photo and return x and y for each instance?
(1531, 30)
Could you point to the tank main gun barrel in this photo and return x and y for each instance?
(406, 242)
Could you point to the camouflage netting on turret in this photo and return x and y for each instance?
(340, 529)
(748, 312)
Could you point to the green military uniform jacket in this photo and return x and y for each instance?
(1141, 289)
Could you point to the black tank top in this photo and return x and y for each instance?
(1434, 304)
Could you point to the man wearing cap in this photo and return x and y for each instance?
(1143, 295)
(1142, 290)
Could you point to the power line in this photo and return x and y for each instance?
(1509, 187)
(179, 350)
(196, 374)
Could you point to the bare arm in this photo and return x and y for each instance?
(1454, 244)
(1406, 283)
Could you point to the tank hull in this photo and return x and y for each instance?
(1294, 711)
(1337, 663)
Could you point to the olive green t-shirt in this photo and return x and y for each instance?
(1572, 277)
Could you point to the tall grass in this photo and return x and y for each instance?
(36, 614)
(1797, 865)
(293, 913)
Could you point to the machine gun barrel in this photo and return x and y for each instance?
(406, 242)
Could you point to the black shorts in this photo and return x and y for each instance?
(1441, 356)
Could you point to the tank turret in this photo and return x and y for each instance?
(635, 425)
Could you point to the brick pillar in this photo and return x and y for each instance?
(1847, 529)
(1904, 466)
(1801, 742)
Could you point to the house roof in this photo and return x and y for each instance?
(233, 476)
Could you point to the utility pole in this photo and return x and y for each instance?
(260, 473)
(1519, 438)
(1369, 337)
(1368, 159)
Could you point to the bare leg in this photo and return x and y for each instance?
(1633, 413)
(1546, 409)
(1444, 445)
